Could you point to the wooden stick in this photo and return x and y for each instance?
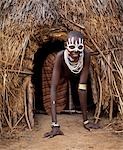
(30, 94)
(4, 99)
(117, 66)
(17, 122)
(9, 124)
(25, 108)
(1, 117)
(8, 108)
(16, 71)
(71, 111)
(111, 105)
(110, 89)
(118, 93)
(100, 100)
(24, 46)
(121, 131)
(108, 125)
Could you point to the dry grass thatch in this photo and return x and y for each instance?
(26, 24)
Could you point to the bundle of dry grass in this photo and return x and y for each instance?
(26, 24)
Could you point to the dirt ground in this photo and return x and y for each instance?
(75, 137)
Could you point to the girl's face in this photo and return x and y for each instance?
(75, 47)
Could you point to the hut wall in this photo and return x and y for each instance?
(25, 25)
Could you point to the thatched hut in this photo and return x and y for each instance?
(33, 30)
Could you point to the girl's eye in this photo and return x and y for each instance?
(72, 47)
(80, 47)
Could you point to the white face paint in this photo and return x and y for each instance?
(75, 45)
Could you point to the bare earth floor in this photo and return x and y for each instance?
(75, 136)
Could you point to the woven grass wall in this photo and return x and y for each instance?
(25, 25)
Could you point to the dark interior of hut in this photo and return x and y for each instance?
(39, 58)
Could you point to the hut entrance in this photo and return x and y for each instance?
(67, 95)
(43, 65)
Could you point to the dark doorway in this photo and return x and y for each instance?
(39, 58)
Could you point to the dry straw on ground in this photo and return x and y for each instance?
(26, 24)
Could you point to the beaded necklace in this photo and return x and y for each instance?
(74, 67)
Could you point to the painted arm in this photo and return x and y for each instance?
(54, 83)
(83, 94)
(83, 80)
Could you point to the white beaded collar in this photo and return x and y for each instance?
(74, 67)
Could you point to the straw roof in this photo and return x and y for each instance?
(26, 24)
